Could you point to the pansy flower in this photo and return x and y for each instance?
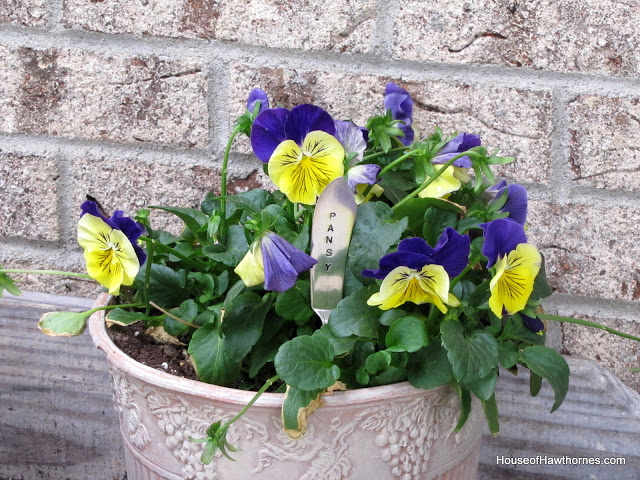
(359, 177)
(398, 101)
(257, 95)
(516, 265)
(110, 247)
(419, 273)
(274, 261)
(302, 154)
(516, 204)
(455, 174)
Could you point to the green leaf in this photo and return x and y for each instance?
(231, 254)
(535, 384)
(118, 316)
(472, 358)
(430, 367)
(465, 403)
(341, 345)
(63, 324)
(377, 362)
(390, 316)
(166, 287)
(254, 200)
(416, 208)
(293, 304)
(541, 288)
(307, 363)
(295, 409)
(192, 218)
(206, 283)
(507, 354)
(375, 230)
(187, 311)
(353, 316)
(551, 366)
(242, 323)
(408, 334)
(483, 388)
(210, 357)
(435, 221)
(6, 283)
(491, 413)
(514, 329)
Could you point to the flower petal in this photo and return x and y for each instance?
(399, 101)
(306, 118)
(452, 252)
(282, 262)
(458, 144)
(257, 95)
(501, 236)
(513, 282)
(362, 174)
(132, 230)
(267, 132)
(443, 185)
(351, 137)
(302, 174)
(250, 269)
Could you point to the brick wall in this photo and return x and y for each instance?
(132, 102)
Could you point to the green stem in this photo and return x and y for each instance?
(379, 154)
(586, 323)
(111, 307)
(192, 263)
(466, 270)
(46, 272)
(264, 388)
(430, 181)
(223, 175)
(396, 162)
(177, 319)
(147, 275)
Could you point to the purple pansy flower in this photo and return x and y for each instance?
(400, 103)
(534, 324)
(501, 236)
(458, 144)
(451, 251)
(352, 139)
(282, 262)
(274, 126)
(118, 221)
(516, 204)
(257, 95)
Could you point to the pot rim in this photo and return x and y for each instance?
(115, 356)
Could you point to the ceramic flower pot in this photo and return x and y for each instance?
(388, 432)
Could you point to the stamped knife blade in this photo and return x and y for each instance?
(333, 221)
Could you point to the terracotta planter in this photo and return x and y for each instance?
(389, 432)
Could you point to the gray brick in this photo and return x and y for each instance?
(591, 251)
(515, 121)
(28, 13)
(335, 26)
(605, 150)
(129, 184)
(565, 35)
(615, 353)
(78, 94)
(29, 197)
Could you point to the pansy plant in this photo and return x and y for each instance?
(442, 284)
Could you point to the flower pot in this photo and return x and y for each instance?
(388, 432)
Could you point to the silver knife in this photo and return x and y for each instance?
(333, 221)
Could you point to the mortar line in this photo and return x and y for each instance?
(41, 252)
(626, 310)
(560, 147)
(55, 15)
(64, 199)
(218, 89)
(386, 16)
(362, 64)
(44, 145)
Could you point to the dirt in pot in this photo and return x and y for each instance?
(134, 342)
